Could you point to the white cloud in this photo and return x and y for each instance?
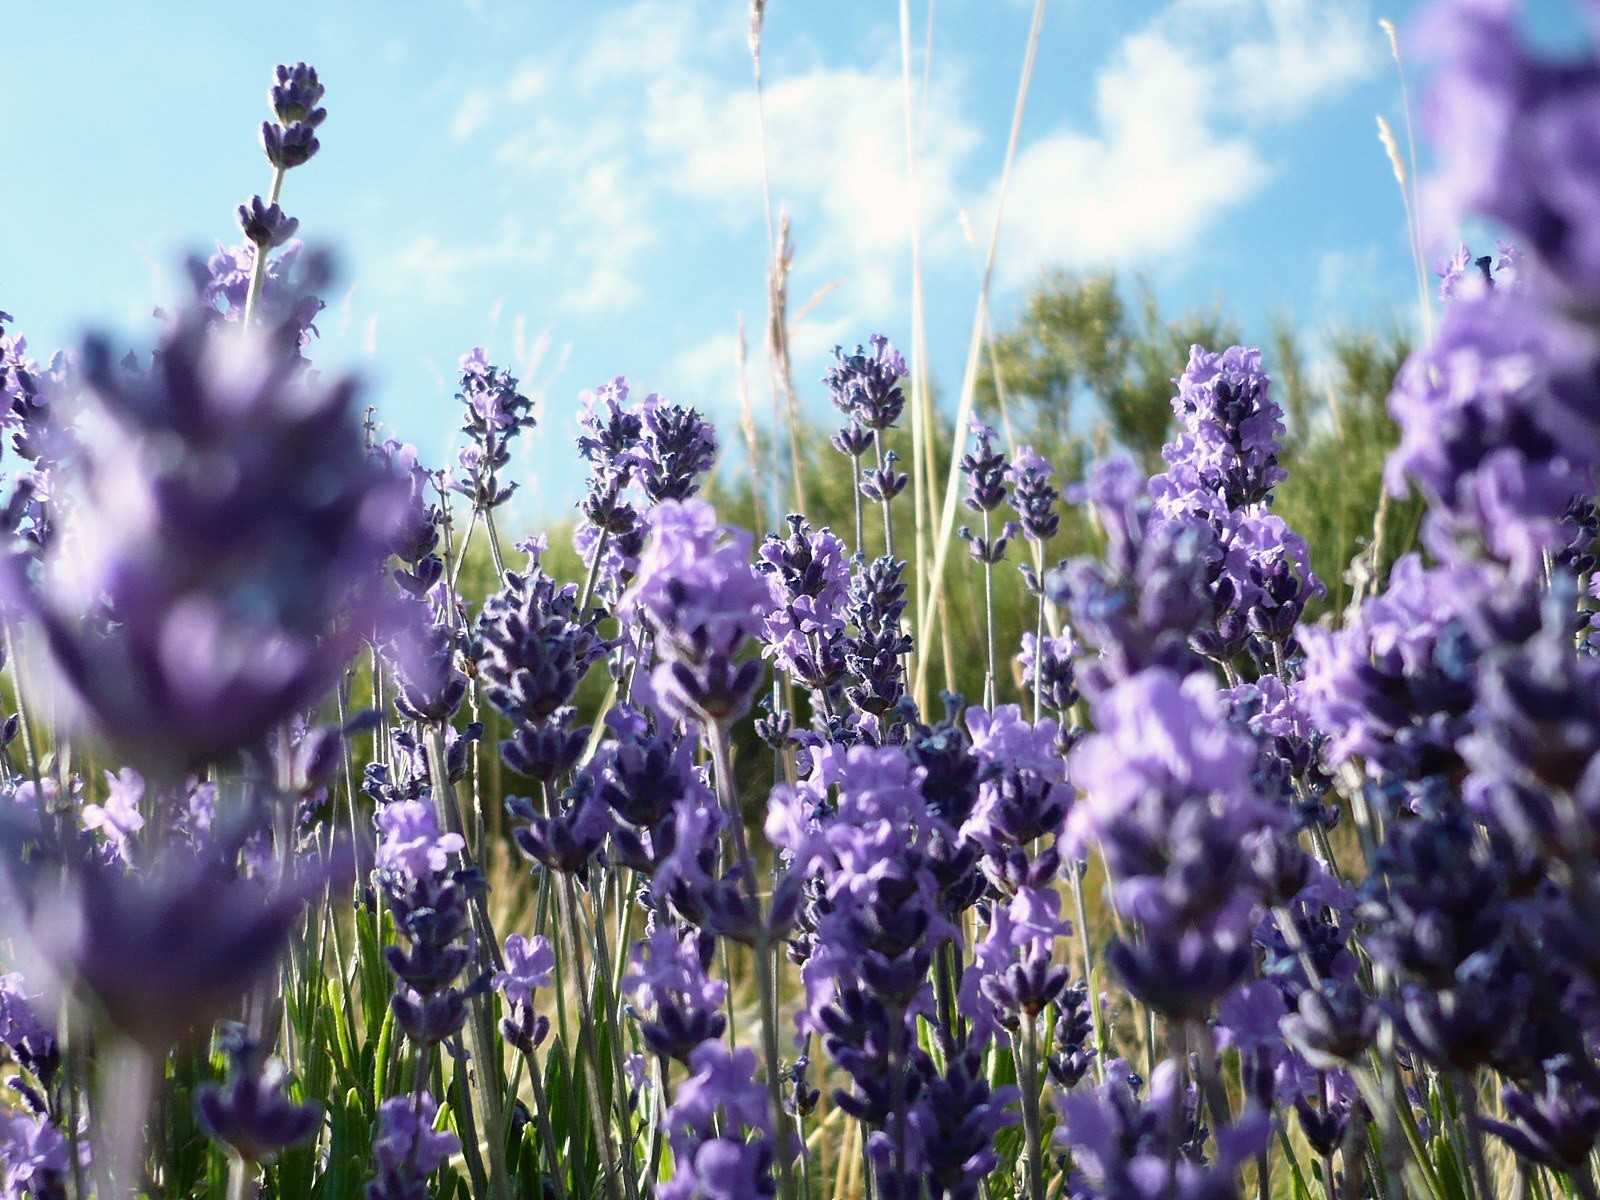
(1180, 108)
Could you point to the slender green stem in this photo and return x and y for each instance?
(547, 1134)
(722, 772)
(1076, 875)
(567, 919)
(244, 1179)
(1027, 1047)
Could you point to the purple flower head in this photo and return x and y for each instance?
(609, 428)
(570, 836)
(984, 469)
(1047, 664)
(1024, 793)
(1394, 685)
(873, 654)
(678, 1006)
(696, 589)
(162, 953)
(35, 1158)
(528, 965)
(721, 1089)
(295, 95)
(266, 226)
(529, 962)
(407, 1149)
(1515, 135)
(1232, 430)
(1168, 797)
(866, 386)
(1496, 427)
(535, 648)
(1153, 1146)
(1012, 975)
(493, 413)
(678, 446)
(118, 819)
(32, 1042)
(1141, 605)
(955, 1120)
(224, 549)
(808, 580)
(1033, 495)
(698, 595)
(251, 1114)
(1556, 1125)
(289, 288)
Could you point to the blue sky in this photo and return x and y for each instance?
(577, 187)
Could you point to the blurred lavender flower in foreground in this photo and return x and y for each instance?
(220, 564)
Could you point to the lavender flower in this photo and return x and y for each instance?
(1033, 495)
(429, 899)
(161, 954)
(1141, 605)
(1168, 801)
(493, 413)
(698, 595)
(1127, 1146)
(677, 1005)
(534, 648)
(35, 1159)
(873, 653)
(1024, 794)
(407, 1149)
(678, 446)
(295, 97)
(1012, 977)
(1510, 127)
(955, 1121)
(807, 579)
(720, 1129)
(1495, 427)
(1227, 454)
(1047, 664)
(529, 963)
(224, 548)
(252, 1114)
(866, 386)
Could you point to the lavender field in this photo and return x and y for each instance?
(944, 798)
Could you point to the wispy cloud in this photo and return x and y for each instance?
(1180, 110)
